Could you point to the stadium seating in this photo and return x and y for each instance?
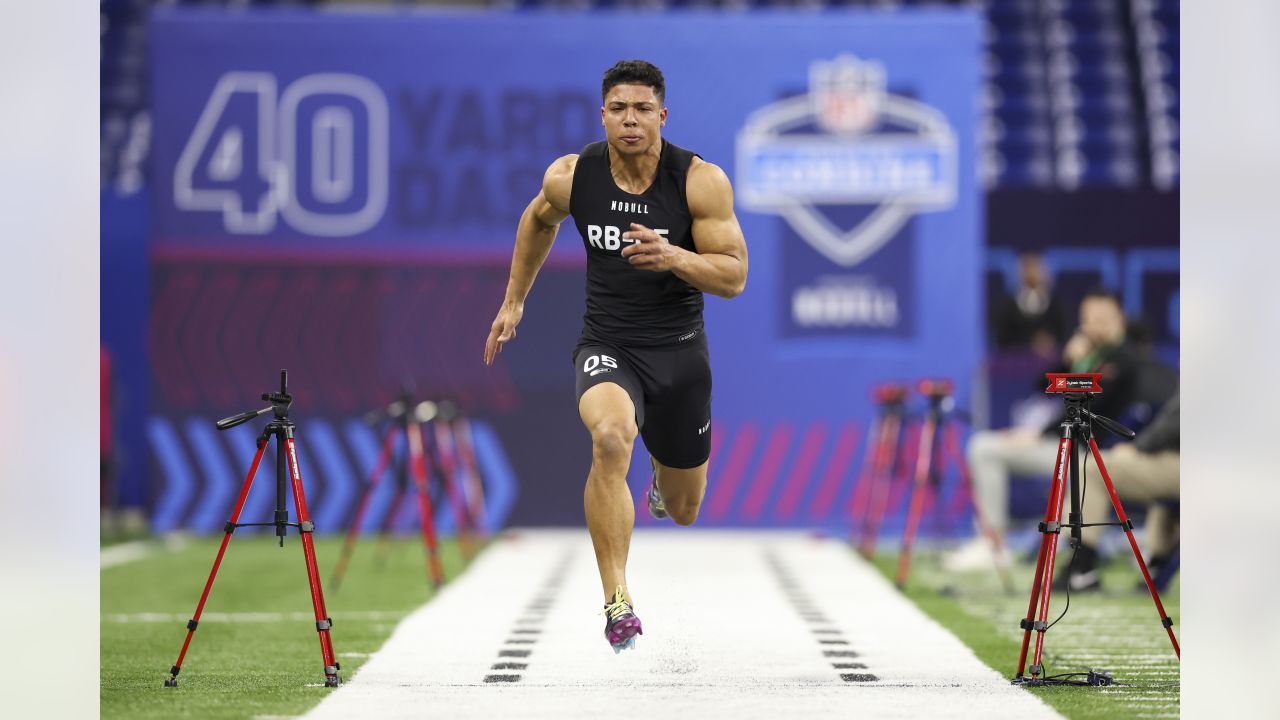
(1079, 93)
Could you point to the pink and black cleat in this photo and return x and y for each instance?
(621, 624)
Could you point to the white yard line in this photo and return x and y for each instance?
(734, 624)
(128, 552)
(125, 553)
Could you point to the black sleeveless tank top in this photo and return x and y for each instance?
(626, 305)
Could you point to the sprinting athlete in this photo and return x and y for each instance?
(659, 229)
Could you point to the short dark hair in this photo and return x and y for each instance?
(634, 72)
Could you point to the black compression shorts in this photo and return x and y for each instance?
(670, 388)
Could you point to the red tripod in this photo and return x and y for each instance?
(286, 467)
(406, 418)
(457, 454)
(1077, 390)
(938, 438)
(882, 455)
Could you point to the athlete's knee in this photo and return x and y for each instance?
(611, 441)
(683, 513)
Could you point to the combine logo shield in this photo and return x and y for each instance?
(872, 148)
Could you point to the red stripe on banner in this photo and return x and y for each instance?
(798, 479)
(841, 459)
(767, 475)
(734, 469)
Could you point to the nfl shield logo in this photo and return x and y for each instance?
(847, 93)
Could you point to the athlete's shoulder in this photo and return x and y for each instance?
(557, 182)
(563, 165)
(707, 185)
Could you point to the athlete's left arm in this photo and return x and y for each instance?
(719, 266)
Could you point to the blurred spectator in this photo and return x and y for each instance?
(1032, 317)
(996, 455)
(1145, 470)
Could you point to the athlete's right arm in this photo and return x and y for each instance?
(534, 236)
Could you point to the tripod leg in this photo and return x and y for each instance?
(471, 470)
(217, 561)
(417, 462)
(307, 529)
(924, 465)
(1165, 620)
(449, 480)
(353, 532)
(1044, 562)
(866, 477)
(397, 501)
(1051, 532)
(883, 484)
(966, 484)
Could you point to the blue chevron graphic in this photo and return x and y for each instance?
(214, 506)
(178, 483)
(500, 483)
(365, 445)
(339, 496)
(222, 460)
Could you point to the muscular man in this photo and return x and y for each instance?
(659, 230)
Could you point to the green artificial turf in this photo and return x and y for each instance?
(256, 651)
(1117, 630)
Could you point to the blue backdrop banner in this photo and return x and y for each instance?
(359, 149)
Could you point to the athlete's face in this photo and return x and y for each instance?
(633, 117)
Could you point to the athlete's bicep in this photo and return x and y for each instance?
(715, 226)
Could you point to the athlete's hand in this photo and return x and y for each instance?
(651, 251)
(504, 329)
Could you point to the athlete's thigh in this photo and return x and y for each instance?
(607, 404)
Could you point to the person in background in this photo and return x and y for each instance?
(1032, 317)
(1145, 470)
(995, 456)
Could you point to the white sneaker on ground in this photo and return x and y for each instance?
(975, 554)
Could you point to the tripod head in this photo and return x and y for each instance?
(406, 409)
(891, 397)
(1078, 389)
(280, 402)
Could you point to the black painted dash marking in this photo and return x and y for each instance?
(824, 641)
(858, 677)
(838, 666)
(817, 631)
(501, 678)
(514, 653)
(527, 641)
(517, 666)
(836, 653)
(526, 631)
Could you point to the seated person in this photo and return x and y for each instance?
(997, 455)
(1145, 470)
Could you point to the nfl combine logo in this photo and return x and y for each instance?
(891, 153)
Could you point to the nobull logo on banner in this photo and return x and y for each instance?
(872, 148)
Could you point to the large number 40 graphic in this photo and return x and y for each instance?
(324, 124)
